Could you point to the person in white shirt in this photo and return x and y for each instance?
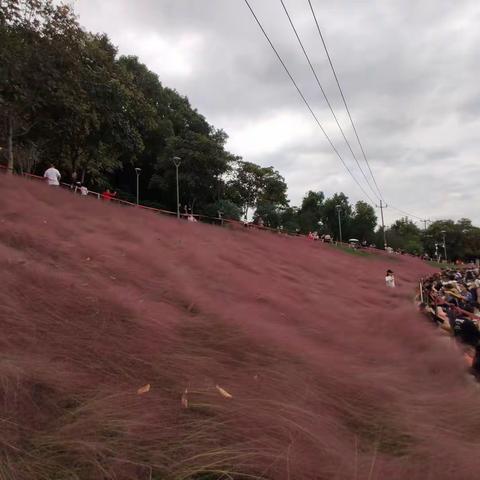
(83, 190)
(53, 176)
(390, 279)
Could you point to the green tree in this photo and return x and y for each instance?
(203, 163)
(330, 215)
(252, 186)
(30, 32)
(364, 222)
(405, 235)
(289, 220)
(310, 213)
(226, 208)
(462, 239)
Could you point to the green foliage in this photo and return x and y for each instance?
(310, 214)
(253, 186)
(330, 215)
(270, 214)
(363, 222)
(227, 208)
(289, 220)
(462, 239)
(405, 235)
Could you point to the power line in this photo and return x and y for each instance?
(305, 100)
(406, 213)
(343, 98)
(312, 68)
(350, 116)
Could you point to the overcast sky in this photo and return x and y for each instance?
(409, 69)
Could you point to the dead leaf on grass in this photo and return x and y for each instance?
(144, 389)
(223, 392)
(185, 399)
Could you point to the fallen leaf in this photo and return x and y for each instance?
(223, 392)
(144, 389)
(184, 399)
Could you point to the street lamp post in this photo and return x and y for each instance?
(339, 208)
(444, 244)
(138, 171)
(177, 161)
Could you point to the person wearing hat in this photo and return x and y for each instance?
(390, 279)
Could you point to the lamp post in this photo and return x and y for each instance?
(176, 162)
(320, 226)
(443, 232)
(339, 208)
(138, 171)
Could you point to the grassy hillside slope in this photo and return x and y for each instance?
(330, 375)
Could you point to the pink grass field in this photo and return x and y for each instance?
(331, 375)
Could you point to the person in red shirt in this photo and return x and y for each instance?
(108, 195)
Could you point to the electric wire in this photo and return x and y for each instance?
(406, 213)
(343, 98)
(306, 101)
(314, 72)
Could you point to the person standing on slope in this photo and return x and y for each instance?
(108, 195)
(390, 279)
(53, 176)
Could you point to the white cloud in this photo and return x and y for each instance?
(167, 56)
(269, 134)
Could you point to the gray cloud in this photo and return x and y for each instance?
(409, 70)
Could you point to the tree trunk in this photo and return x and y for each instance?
(10, 144)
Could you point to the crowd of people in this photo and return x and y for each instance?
(451, 300)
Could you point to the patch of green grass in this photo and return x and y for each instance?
(440, 265)
(353, 251)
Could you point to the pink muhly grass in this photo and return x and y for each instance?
(265, 357)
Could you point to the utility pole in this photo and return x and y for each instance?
(425, 223)
(339, 208)
(138, 171)
(177, 161)
(381, 207)
(444, 245)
